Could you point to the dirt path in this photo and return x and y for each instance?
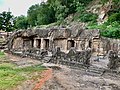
(72, 79)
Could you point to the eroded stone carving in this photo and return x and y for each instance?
(114, 60)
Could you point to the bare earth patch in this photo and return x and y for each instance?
(74, 79)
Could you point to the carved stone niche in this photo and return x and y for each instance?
(28, 43)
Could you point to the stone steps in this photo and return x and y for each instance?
(95, 71)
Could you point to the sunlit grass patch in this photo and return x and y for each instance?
(2, 54)
(11, 75)
(3, 57)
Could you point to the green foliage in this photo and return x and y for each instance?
(114, 17)
(111, 30)
(52, 11)
(61, 9)
(41, 14)
(85, 2)
(46, 15)
(21, 22)
(104, 1)
(61, 13)
(32, 14)
(80, 8)
(88, 17)
(6, 21)
(84, 16)
(55, 11)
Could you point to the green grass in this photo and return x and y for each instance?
(3, 57)
(11, 75)
(1, 53)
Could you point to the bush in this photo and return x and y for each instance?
(80, 8)
(84, 16)
(85, 2)
(107, 30)
(104, 1)
(112, 30)
(115, 33)
(88, 17)
(114, 17)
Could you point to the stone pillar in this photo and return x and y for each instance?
(42, 43)
(86, 44)
(65, 46)
(78, 45)
(35, 43)
(51, 43)
(75, 44)
(68, 45)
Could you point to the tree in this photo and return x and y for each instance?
(60, 8)
(46, 14)
(32, 14)
(61, 12)
(6, 21)
(41, 14)
(1, 20)
(52, 11)
(21, 22)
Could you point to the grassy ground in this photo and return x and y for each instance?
(11, 75)
(2, 55)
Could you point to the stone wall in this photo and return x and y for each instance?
(18, 43)
(72, 58)
(102, 45)
(60, 43)
(114, 44)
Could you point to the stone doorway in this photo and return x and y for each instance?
(70, 44)
(38, 43)
(46, 44)
(90, 44)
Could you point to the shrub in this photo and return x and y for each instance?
(107, 30)
(88, 17)
(114, 17)
(84, 16)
